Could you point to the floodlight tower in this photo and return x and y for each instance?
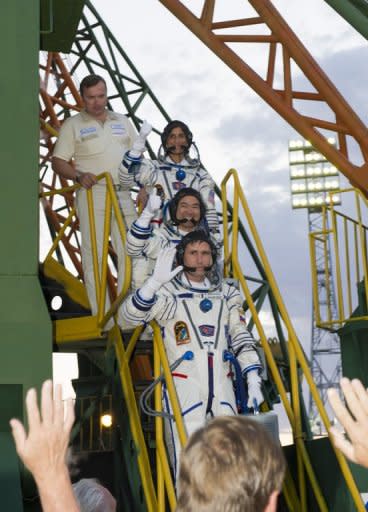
(312, 177)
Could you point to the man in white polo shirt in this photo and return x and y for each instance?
(96, 139)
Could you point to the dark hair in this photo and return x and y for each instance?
(198, 235)
(90, 81)
(176, 124)
(184, 192)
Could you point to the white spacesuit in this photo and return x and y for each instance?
(171, 173)
(204, 317)
(186, 212)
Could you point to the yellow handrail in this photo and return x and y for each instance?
(295, 398)
(134, 420)
(155, 501)
(169, 384)
(164, 482)
(347, 237)
(238, 196)
(128, 267)
(161, 456)
(100, 271)
(291, 409)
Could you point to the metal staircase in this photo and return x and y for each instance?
(114, 359)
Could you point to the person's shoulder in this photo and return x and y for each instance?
(171, 288)
(202, 170)
(77, 120)
(168, 232)
(117, 116)
(229, 283)
(72, 120)
(161, 231)
(151, 165)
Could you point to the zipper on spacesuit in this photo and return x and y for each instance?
(210, 382)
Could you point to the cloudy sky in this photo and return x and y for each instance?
(232, 126)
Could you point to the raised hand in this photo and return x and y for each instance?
(162, 274)
(145, 130)
(139, 144)
(153, 203)
(354, 422)
(43, 449)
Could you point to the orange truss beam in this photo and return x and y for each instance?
(339, 121)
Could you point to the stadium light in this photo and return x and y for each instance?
(312, 177)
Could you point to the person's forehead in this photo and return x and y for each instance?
(200, 244)
(177, 131)
(98, 88)
(188, 199)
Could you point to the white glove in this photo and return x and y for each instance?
(139, 145)
(153, 203)
(162, 273)
(254, 388)
(150, 210)
(145, 130)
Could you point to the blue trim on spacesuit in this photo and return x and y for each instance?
(142, 304)
(171, 230)
(211, 394)
(185, 295)
(131, 158)
(168, 166)
(140, 232)
(194, 327)
(240, 395)
(131, 162)
(229, 405)
(183, 413)
(219, 324)
(177, 281)
(251, 368)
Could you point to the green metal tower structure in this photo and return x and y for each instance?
(27, 328)
(354, 11)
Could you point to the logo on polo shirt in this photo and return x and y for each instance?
(118, 129)
(87, 132)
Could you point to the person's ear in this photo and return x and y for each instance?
(272, 502)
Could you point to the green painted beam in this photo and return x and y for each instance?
(25, 327)
(10, 481)
(59, 22)
(354, 12)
